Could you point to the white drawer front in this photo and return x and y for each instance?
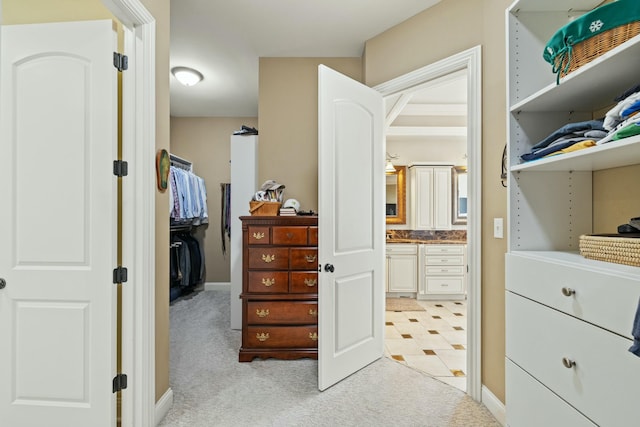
(444, 285)
(439, 249)
(399, 248)
(599, 298)
(538, 338)
(530, 404)
(444, 260)
(444, 271)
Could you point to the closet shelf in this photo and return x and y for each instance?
(546, 5)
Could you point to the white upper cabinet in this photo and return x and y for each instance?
(431, 197)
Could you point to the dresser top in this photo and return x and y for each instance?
(279, 220)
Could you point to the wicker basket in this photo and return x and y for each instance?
(264, 208)
(611, 248)
(591, 48)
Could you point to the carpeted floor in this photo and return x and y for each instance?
(211, 388)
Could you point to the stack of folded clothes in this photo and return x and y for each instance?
(570, 137)
(623, 120)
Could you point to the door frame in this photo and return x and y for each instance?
(469, 60)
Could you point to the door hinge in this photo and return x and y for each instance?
(119, 382)
(120, 275)
(120, 168)
(120, 61)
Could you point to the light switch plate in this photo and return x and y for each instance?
(498, 228)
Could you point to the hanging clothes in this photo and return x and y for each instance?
(225, 215)
(188, 197)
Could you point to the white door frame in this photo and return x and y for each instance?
(471, 61)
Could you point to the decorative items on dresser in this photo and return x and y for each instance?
(279, 287)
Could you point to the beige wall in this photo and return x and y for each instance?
(446, 29)
(614, 198)
(205, 142)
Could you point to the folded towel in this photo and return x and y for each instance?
(635, 348)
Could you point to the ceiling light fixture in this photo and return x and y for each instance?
(187, 76)
(389, 168)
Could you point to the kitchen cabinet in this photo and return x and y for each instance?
(430, 197)
(443, 272)
(402, 267)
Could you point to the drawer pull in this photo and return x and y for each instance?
(313, 312)
(258, 236)
(313, 336)
(310, 282)
(568, 363)
(261, 312)
(311, 258)
(289, 236)
(268, 282)
(262, 337)
(268, 258)
(567, 292)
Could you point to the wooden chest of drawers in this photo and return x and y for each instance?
(279, 287)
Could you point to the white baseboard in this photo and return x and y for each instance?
(217, 286)
(494, 405)
(163, 405)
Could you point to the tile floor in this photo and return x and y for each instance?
(433, 341)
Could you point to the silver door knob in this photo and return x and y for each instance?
(3, 283)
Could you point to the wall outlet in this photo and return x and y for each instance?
(498, 228)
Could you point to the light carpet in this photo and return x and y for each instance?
(211, 388)
(402, 304)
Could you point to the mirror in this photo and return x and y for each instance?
(459, 194)
(396, 196)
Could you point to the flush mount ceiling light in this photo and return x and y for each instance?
(187, 76)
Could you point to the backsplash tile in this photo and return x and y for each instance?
(426, 235)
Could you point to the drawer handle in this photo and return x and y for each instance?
(262, 337)
(313, 336)
(568, 363)
(310, 282)
(311, 258)
(567, 292)
(268, 282)
(268, 258)
(313, 312)
(261, 312)
(258, 236)
(289, 236)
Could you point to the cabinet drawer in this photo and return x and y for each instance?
(282, 312)
(313, 236)
(268, 282)
(304, 259)
(258, 235)
(304, 282)
(269, 258)
(604, 299)
(438, 249)
(444, 260)
(538, 338)
(289, 235)
(280, 337)
(444, 285)
(532, 405)
(444, 271)
(401, 249)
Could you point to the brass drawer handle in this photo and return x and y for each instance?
(258, 236)
(268, 258)
(310, 282)
(313, 312)
(289, 236)
(268, 282)
(262, 337)
(311, 258)
(313, 336)
(261, 312)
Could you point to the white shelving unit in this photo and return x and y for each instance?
(561, 307)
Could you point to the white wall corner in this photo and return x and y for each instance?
(217, 286)
(163, 405)
(494, 405)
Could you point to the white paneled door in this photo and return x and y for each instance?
(58, 105)
(350, 225)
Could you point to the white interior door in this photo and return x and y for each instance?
(58, 137)
(350, 226)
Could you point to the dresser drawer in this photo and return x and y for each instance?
(304, 259)
(269, 258)
(444, 271)
(282, 312)
(539, 338)
(604, 299)
(289, 236)
(268, 281)
(444, 285)
(258, 235)
(313, 236)
(439, 249)
(303, 282)
(280, 337)
(444, 260)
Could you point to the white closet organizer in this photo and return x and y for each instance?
(568, 319)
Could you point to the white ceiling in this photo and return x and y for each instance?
(223, 39)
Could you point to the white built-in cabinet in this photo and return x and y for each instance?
(442, 271)
(568, 319)
(402, 267)
(430, 197)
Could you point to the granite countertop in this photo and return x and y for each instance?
(427, 242)
(427, 237)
